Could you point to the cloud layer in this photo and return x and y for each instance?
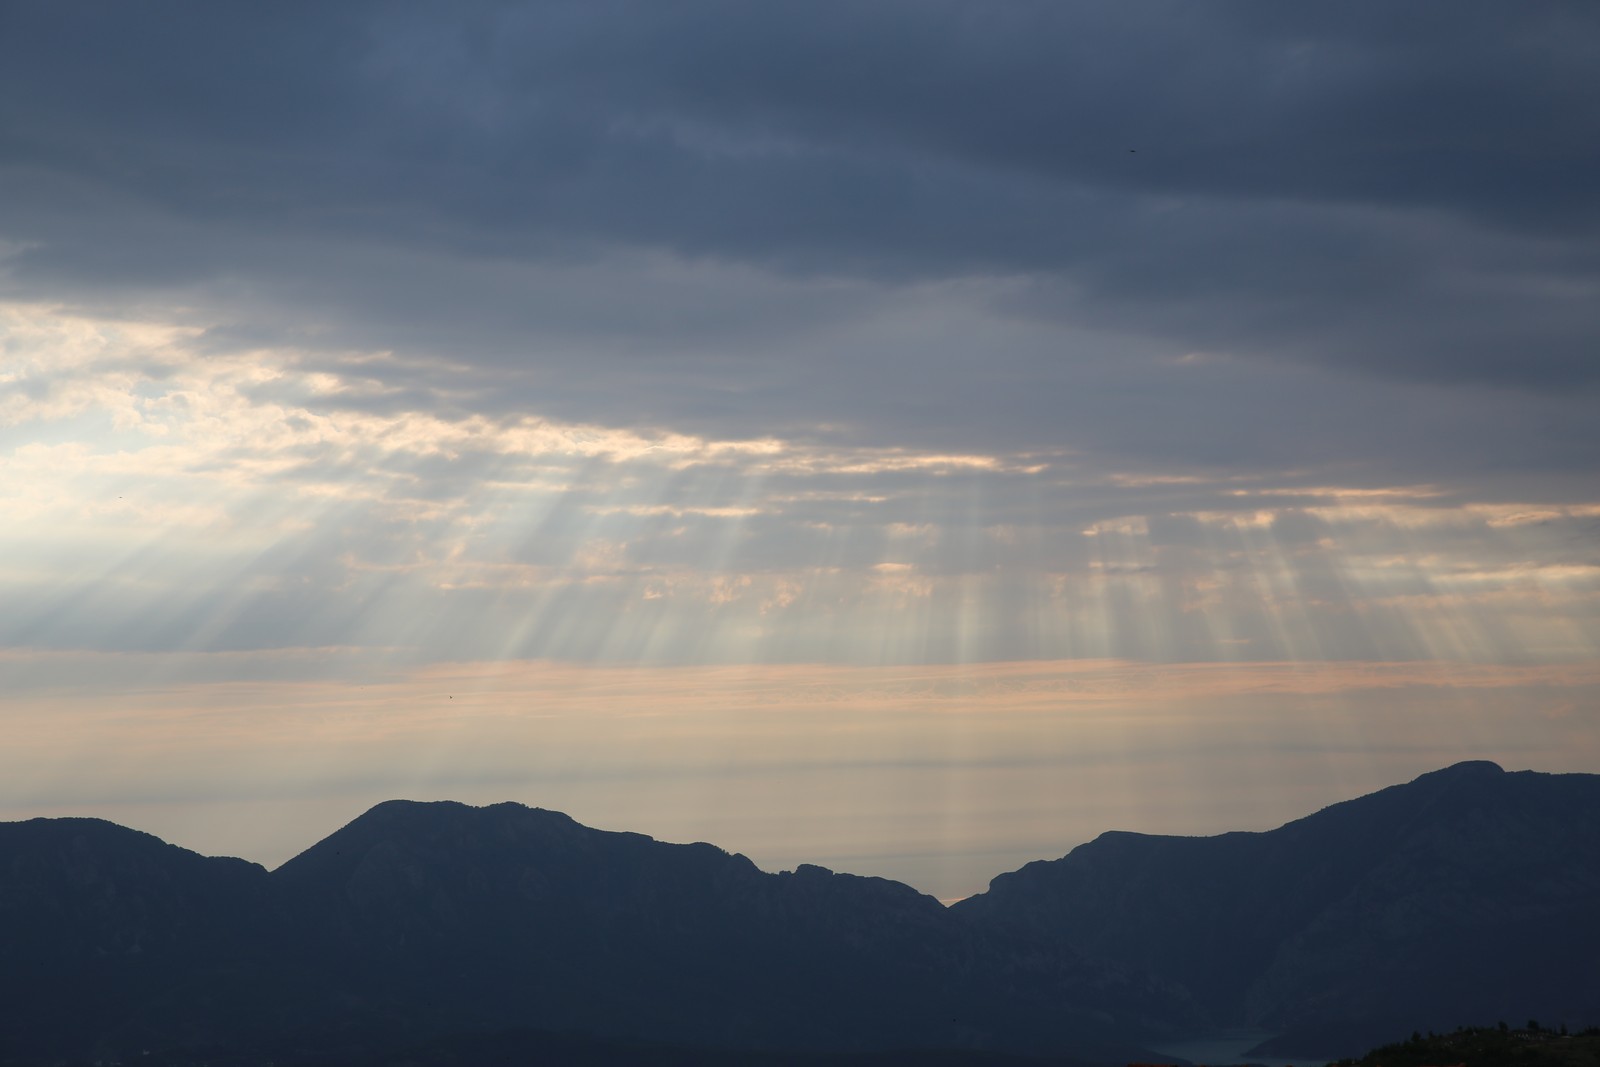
(909, 332)
(1407, 195)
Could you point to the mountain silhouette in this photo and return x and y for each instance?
(1469, 894)
(425, 919)
(444, 916)
(108, 932)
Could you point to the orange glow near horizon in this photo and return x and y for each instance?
(941, 775)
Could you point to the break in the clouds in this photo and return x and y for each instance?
(344, 341)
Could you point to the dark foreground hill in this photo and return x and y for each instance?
(1466, 896)
(464, 934)
(1491, 1046)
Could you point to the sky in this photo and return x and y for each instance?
(912, 437)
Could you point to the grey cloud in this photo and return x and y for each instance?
(1284, 160)
(1241, 92)
(982, 366)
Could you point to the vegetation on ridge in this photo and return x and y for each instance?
(1483, 1046)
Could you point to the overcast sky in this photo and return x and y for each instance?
(608, 348)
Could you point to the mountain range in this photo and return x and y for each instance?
(1466, 896)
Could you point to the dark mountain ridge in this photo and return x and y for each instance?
(1467, 895)
(106, 930)
(418, 921)
(425, 919)
(541, 921)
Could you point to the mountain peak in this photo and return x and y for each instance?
(446, 809)
(1474, 768)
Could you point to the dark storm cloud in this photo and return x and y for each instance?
(1408, 192)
